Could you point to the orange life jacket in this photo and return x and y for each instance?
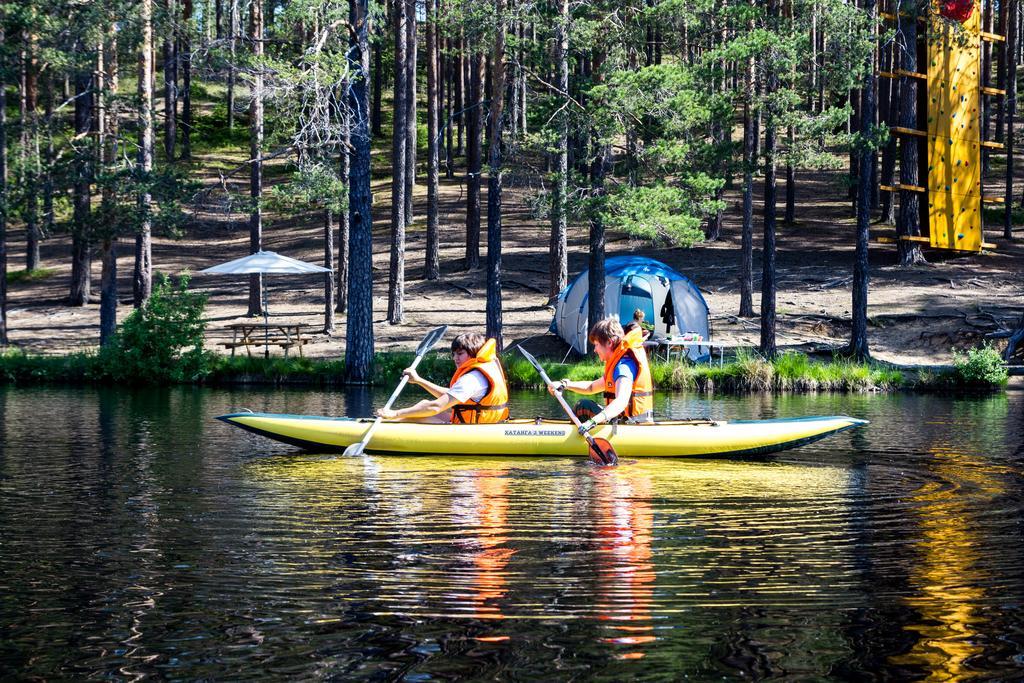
(641, 402)
(493, 407)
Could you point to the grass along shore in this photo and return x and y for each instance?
(747, 372)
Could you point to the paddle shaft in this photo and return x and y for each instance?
(565, 404)
(394, 395)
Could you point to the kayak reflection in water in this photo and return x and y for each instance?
(477, 393)
(626, 384)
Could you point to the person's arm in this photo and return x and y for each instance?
(623, 391)
(579, 386)
(434, 390)
(425, 408)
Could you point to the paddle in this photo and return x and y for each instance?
(601, 451)
(428, 343)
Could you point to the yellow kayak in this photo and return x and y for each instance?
(690, 438)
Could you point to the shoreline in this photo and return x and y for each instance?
(790, 372)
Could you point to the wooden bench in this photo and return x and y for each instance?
(249, 338)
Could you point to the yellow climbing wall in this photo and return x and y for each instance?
(954, 127)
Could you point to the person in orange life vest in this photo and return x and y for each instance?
(478, 392)
(626, 382)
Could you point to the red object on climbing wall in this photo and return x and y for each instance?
(957, 10)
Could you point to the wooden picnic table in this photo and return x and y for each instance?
(284, 335)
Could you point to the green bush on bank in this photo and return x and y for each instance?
(982, 366)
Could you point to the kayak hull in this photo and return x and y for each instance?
(532, 438)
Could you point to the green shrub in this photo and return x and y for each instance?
(163, 340)
(981, 366)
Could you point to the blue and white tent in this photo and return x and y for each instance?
(669, 300)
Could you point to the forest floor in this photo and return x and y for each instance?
(917, 316)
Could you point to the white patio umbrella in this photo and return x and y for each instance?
(265, 263)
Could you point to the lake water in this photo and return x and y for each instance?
(139, 537)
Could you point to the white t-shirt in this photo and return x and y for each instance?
(472, 386)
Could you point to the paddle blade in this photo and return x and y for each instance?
(535, 363)
(355, 449)
(432, 338)
(602, 452)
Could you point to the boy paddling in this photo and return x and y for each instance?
(626, 383)
(477, 393)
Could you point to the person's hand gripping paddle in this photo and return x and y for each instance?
(428, 343)
(601, 451)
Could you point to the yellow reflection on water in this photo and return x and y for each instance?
(950, 596)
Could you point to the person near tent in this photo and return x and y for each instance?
(477, 393)
(626, 383)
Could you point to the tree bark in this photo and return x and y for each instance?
(474, 131)
(29, 164)
(399, 140)
(790, 216)
(345, 219)
(859, 335)
(460, 69)
(598, 170)
(108, 291)
(256, 156)
(411, 52)
(107, 144)
(3, 198)
(1001, 71)
(746, 275)
(432, 266)
(81, 259)
(48, 157)
(888, 212)
(186, 82)
(494, 180)
(170, 81)
(558, 266)
(359, 326)
(909, 218)
(234, 25)
(142, 278)
(1011, 111)
(378, 83)
(767, 346)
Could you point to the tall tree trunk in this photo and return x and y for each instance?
(170, 80)
(1011, 111)
(598, 169)
(3, 198)
(767, 346)
(218, 6)
(399, 140)
(432, 266)
(345, 219)
(186, 83)
(859, 335)
(909, 220)
(48, 156)
(29, 163)
(1001, 71)
(461, 69)
(81, 258)
(494, 154)
(108, 291)
(378, 84)
(410, 102)
(234, 23)
(359, 325)
(329, 294)
(142, 278)
(746, 276)
(474, 131)
(109, 131)
(256, 156)
(449, 108)
(558, 266)
(889, 154)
